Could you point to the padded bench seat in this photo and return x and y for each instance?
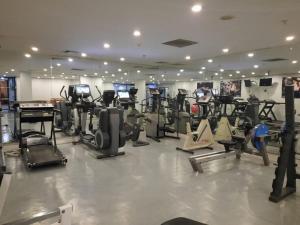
(182, 221)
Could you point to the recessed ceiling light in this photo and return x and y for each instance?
(125, 74)
(73, 76)
(51, 67)
(250, 54)
(206, 78)
(138, 71)
(299, 71)
(62, 73)
(230, 75)
(121, 78)
(266, 74)
(196, 8)
(188, 57)
(162, 75)
(6, 72)
(150, 77)
(243, 76)
(221, 70)
(178, 74)
(113, 75)
(58, 64)
(225, 50)
(238, 72)
(253, 73)
(70, 60)
(45, 75)
(12, 70)
(83, 54)
(106, 71)
(27, 55)
(216, 74)
(290, 38)
(34, 49)
(256, 66)
(295, 61)
(85, 75)
(203, 68)
(45, 69)
(164, 79)
(210, 60)
(52, 77)
(106, 45)
(105, 63)
(38, 77)
(191, 79)
(95, 74)
(119, 70)
(4, 75)
(182, 70)
(136, 33)
(122, 59)
(200, 72)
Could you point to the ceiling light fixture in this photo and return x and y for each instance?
(216, 74)
(253, 73)
(125, 74)
(238, 72)
(106, 45)
(70, 60)
(136, 33)
(178, 74)
(225, 50)
(83, 54)
(119, 70)
(210, 60)
(188, 57)
(299, 71)
(58, 64)
(191, 79)
(221, 70)
(105, 63)
(45, 69)
(200, 72)
(34, 49)
(95, 74)
(250, 55)
(256, 66)
(196, 8)
(203, 68)
(85, 75)
(162, 75)
(106, 71)
(182, 70)
(113, 75)
(230, 75)
(266, 74)
(290, 38)
(122, 59)
(12, 70)
(27, 55)
(51, 67)
(295, 61)
(138, 71)
(39, 77)
(243, 76)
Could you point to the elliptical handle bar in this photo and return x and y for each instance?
(61, 91)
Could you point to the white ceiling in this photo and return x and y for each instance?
(83, 26)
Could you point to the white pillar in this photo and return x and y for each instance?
(141, 95)
(24, 87)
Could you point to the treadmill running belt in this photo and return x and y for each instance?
(42, 155)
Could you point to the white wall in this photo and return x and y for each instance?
(45, 89)
(24, 87)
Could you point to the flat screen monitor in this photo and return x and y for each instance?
(82, 89)
(123, 94)
(199, 94)
(265, 82)
(248, 83)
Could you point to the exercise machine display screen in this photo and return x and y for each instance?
(199, 94)
(248, 83)
(123, 94)
(265, 82)
(82, 90)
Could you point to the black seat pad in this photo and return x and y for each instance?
(182, 221)
(228, 143)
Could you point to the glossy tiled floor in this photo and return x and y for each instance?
(150, 185)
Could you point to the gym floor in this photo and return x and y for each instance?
(147, 186)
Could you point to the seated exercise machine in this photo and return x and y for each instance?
(286, 162)
(236, 146)
(155, 118)
(36, 148)
(109, 135)
(134, 119)
(202, 137)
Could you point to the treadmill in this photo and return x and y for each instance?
(36, 148)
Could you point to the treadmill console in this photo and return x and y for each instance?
(82, 90)
(154, 91)
(123, 95)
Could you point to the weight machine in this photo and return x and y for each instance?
(286, 162)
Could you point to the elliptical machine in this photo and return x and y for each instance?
(109, 135)
(134, 119)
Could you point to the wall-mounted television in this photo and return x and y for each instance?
(265, 82)
(248, 83)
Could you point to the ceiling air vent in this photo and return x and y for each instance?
(77, 69)
(161, 62)
(180, 43)
(274, 60)
(153, 68)
(70, 52)
(57, 58)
